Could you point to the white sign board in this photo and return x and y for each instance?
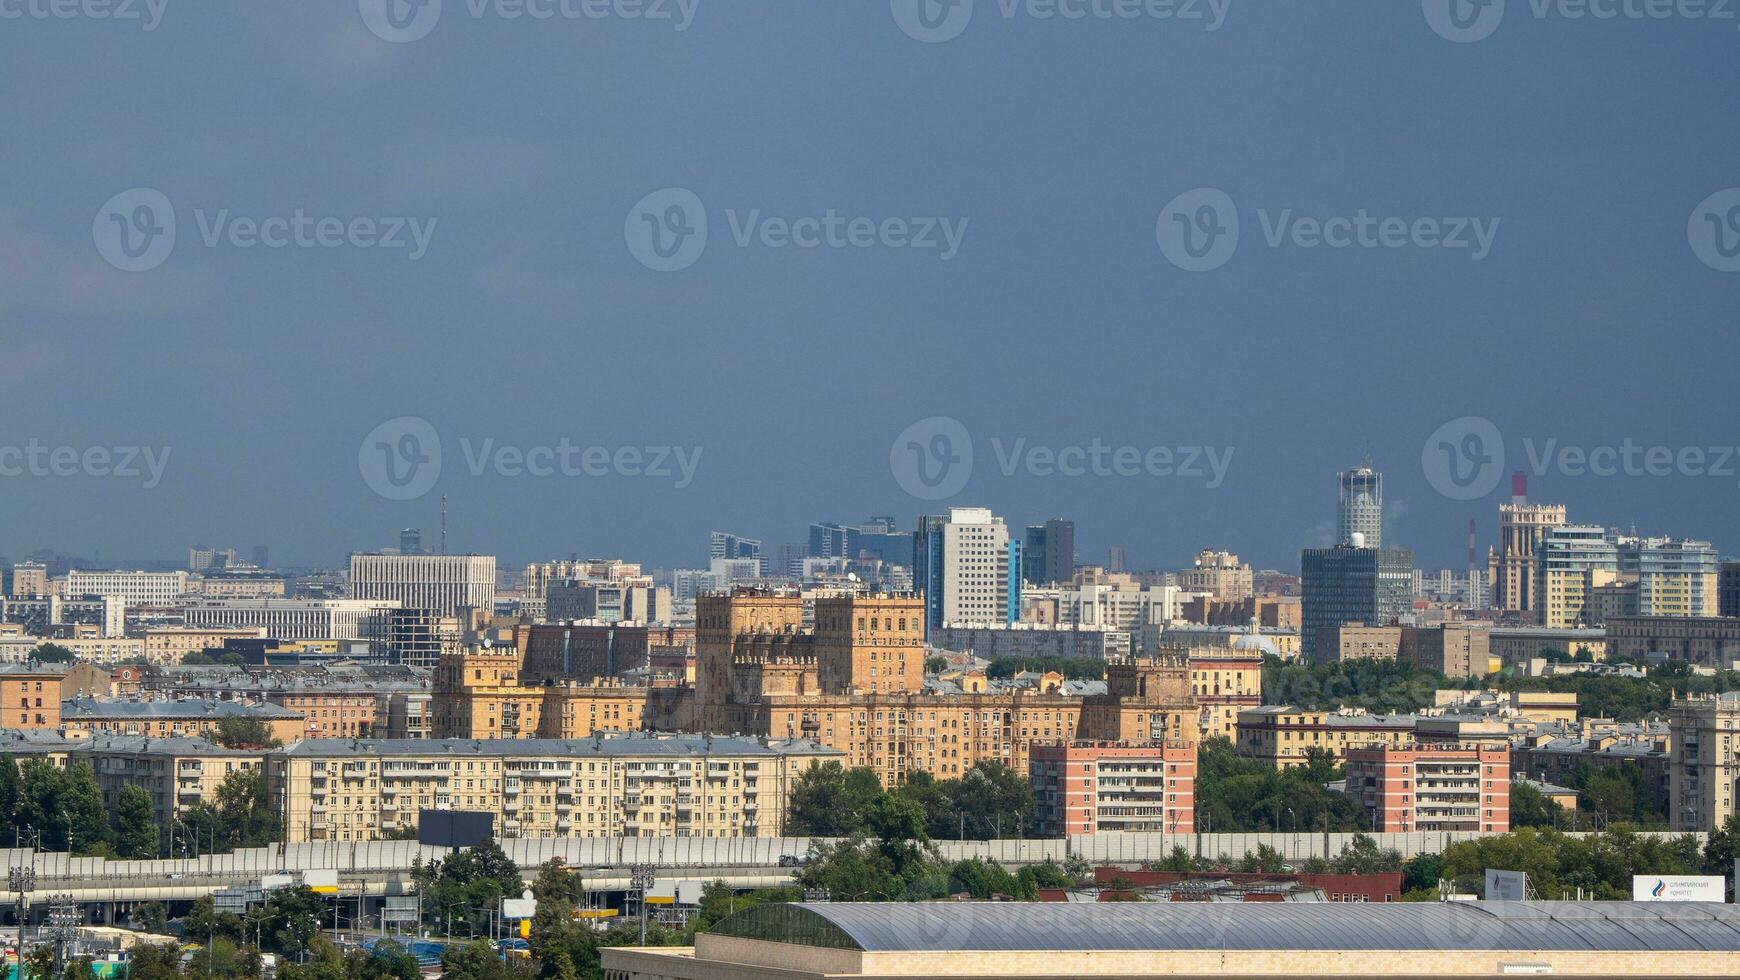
(689, 892)
(1505, 886)
(518, 908)
(1679, 888)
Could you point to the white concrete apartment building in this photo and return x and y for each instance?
(441, 583)
(976, 568)
(295, 619)
(135, 588)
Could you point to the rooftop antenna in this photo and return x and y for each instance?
(444, 524)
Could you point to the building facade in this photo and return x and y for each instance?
(1409, 788)
(1704, 767)
(444, 584)
(607, 786)
(1090, 787)
(1353, 585)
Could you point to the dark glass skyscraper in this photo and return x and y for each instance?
(1374, 586)
(1049, 555)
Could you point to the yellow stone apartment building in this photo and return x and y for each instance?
(1281, 735)
(622, 785)
(848, 674)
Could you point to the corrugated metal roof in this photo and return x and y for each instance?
(977, 926)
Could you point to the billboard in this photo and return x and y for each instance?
(454, 828)
(1679, 888)
(1506, 886)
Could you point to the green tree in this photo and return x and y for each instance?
(134, 824)
(80, 968)
(153, 961)
(11, 797)
(1529, 807)
(87, 817)
(244, 732)
(149, 917)
(388, 961)
(1362, 856)
(224, 959)
(205, 924)
(39, 962)
(462, 892)
(474, 961)
(831, 801)
(250, 818)
(53, 653)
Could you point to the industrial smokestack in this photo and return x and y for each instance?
(1519, 487)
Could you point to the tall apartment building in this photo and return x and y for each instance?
(1225, 680)
(295, 619)
(1521, 525)
(203, 559)
(607, 786)
(1093, 787)
(1674, 576)
(1409, 788)
(1704, 761)
(1220, 574)
(975, 569)
(444, 584)
(1346, 584)
(731, 547)
(1362, 507)
(1728, 589)
(1572, 562)
(135, 588)
(29, 578)
(832, 541)
(1049, 552)
(854, 681)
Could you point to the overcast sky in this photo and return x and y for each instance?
(995, 201)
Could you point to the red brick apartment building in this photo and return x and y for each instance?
(1432, 787)
(1087, 787)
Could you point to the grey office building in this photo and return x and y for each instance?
(1373, 586)
(1049, 553)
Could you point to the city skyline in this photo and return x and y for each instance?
(527, 318)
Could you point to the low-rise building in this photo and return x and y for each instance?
(1419, 787)
(1554, 754)
(606, 786)
(1090, 787)
(30, 695)
(1710, 641)
(1282, 735)
(167, 645)
(1514, 645)
(172, 718)
(1452, 649)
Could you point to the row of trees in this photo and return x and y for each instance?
(1239, 795)
(990, 800)
(58, 809)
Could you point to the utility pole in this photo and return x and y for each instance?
(62, 929)
(641, 878)
(22, 880)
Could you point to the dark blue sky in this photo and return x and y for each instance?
(1592, 318)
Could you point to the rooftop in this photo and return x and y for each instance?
(1443, 926)
(75, 709)
(606, 746)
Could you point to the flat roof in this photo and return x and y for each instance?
(610, 745)
(1194, 926)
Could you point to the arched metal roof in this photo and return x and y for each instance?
(979, 926)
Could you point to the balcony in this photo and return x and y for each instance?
(511, 787)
